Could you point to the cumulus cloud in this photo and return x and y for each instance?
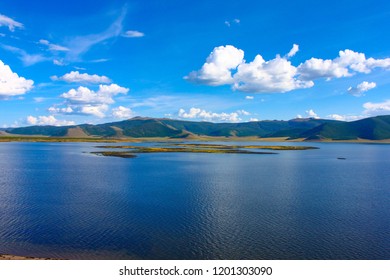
(133, 34)
(122, 112)
(370, 109)
(83, 95)
(76, 77)
(338, 117)
(197, 113)
(65, 110)
(53, 47)
(47, 120)
(346, 64)
(258, 76)
(316, 68)
(274, 76)
(97, 110)
(311, 114)
(217, 69)
(377, 108)
(361, 88)
(103, 96)
(253, 119)
(10, 23)
(249, 97)
(11, 84)
(226, 66)
(85, 101)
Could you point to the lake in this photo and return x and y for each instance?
(57, 200)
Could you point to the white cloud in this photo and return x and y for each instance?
(243, 112)
(59, 62)
(10, 23)
(231, 22)
(47, 120)
(27, 59)
(361, 88)
(338, 117)
(311, 114)
(122, 112)
(346, 64)
(85, 101)
(217, 69)
(80, 45)
(371, 109)
(258, 76)
(377, 108)
(76, 77)
(11, 84)
(100, 60)
(65, 110)
(95, 110)
(249, 97)
(197, 113)
(83, 95)
(53, 47)
(112, 89)
(274, 76)
(253, 119)
(226, 66)
(133, 34)
(293, 51)
(39, 99)
(316, 68)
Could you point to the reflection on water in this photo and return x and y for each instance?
(56, 201)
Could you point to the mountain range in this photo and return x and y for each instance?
(373, 128)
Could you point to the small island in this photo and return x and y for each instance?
(128, 151)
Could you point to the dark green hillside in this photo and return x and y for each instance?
(376, 128)
(47, 130)
(98, 130)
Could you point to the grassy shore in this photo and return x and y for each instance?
(262, 147)
(131, 151)
(13, 257)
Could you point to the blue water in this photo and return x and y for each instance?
(58, 201)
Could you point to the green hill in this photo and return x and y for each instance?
(375, 128)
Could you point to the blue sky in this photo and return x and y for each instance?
(72, 62)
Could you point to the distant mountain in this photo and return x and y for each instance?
(376, 128)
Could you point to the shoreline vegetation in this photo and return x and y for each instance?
(13, 257)
(132, 151)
